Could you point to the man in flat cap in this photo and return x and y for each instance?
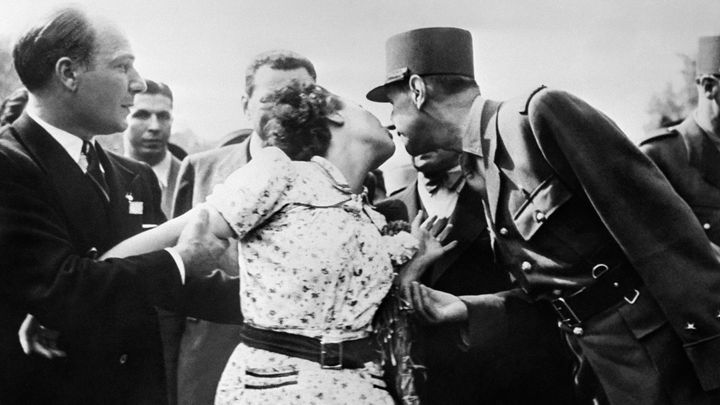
(583, 221)
(688, 153)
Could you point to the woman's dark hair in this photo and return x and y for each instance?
(295, 119)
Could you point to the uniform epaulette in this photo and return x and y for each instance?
(659, 134)
(532, 94)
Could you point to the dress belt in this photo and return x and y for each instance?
(336, 355)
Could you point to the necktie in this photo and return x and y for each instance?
(448, 180)
(93, 170)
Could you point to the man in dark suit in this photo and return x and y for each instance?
(581, 219)
(65, 201)
(205, 346)
(688, 153)
(487, 372)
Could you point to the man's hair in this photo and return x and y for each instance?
(68, 33)
(297, 121)
(276, 59)
(441, 85)
(160, 88)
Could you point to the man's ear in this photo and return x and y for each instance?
(418, 90)
(336, 118)
(66, 71)
(244, 101)
(709, 87)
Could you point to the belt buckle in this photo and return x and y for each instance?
(331, 355)
(567, 315)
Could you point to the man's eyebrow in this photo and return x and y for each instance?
(126, 57)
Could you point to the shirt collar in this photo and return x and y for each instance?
(162, 169)
(471, 136)
(70, 143)
(255, 144)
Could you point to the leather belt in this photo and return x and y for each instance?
(612, 286)
(336, 355)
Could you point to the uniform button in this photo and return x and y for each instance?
(504, 231)
(578, 331)
(557, 293)
(539, 216)
(690, 326)
(706, 226)
(525, 266)
(92, 253)
(123, 358)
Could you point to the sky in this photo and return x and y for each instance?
(613, 53)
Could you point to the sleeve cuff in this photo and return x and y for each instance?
(178, 262)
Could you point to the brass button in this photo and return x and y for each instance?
(504, 231)
(706, 226)
(123, 358)
(578, 331)
(540, 216)
(525, 266)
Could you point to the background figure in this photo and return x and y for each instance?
(205, 346)
(587, 224)
(688, 153)
(490, 372)
(64, 202)
(148, 133)
(13, 106)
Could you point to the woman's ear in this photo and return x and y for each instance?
(65, 69)
(418, 90)
(336, 118)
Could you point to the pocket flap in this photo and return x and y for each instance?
(540, 206)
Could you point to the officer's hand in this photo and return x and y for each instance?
(435, 306)
(198, 246)
(37, 339)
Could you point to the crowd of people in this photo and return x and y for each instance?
(538, 256)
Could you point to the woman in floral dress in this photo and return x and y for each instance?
(314, 266)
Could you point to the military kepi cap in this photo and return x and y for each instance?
(425, 51)
(708, 61)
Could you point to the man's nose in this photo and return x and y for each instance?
(153, 123)
(137, 83)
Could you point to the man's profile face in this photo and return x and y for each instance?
(266, 81)
(149, 127)
(413, 127)
(106, 88)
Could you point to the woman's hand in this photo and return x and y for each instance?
(430, 233)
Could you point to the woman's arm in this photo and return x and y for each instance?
(166, 234)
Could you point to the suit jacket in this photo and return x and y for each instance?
(169, 192)
(55, 224)
(691, 162)
(491, 371)
(565, 184)
(205, 346)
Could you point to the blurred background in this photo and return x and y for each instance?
(634, 60)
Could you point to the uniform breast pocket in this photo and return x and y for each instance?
(540, 205)
(262, 378)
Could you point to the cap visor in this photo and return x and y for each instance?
(378, 94)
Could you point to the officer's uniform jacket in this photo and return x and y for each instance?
(691, 161)
(566, 189)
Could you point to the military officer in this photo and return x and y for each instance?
(688, 153)
(578, 215)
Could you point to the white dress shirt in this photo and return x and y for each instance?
(443, 201)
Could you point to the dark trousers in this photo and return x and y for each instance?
(638, 357)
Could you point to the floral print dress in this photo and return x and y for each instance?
(312, 263)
